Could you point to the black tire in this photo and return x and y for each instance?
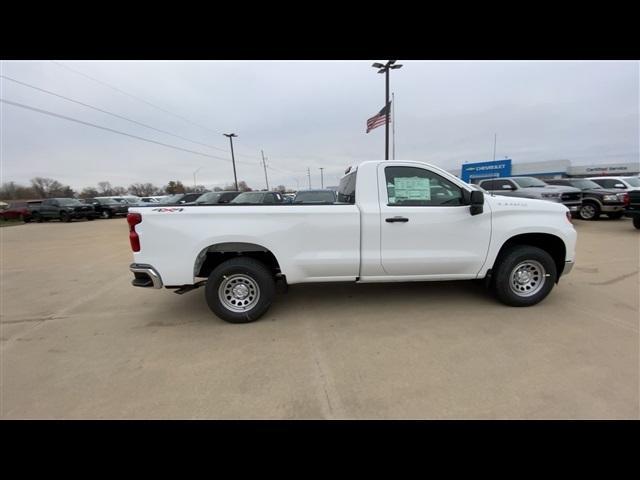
(65, 217)
(37, 217)
(615, 215)
(636, 221)
(257, 272)
(505, 272)
(589, 211)
(90, 218)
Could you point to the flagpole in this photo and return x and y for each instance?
(393, 123)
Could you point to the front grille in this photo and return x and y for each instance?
(572, 196)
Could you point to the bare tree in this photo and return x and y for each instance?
(143, 189)
(15, 191)
(119, 191)
(281, 189)
(105, 189)
(48, 187)
(242, 187)
(89, 192)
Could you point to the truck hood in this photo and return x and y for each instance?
(501, 203)
(552, 189)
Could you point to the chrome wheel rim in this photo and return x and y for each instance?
(527, 278)
(587, 212)
(105, 214)
(239, 293)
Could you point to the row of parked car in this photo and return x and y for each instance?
(252, 198)
(587, 198)
(68, 209)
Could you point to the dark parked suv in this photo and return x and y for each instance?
(214, 198)
(315, 197)
(107, 207)
(255, 198)
(633, 207)
(595, 199)
(63, 209)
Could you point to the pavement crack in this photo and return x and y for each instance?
(38, 319)
(615, 279)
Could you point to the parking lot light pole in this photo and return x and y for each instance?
(233, 160)
(385, 69)
(194, 177)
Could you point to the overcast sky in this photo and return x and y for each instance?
(309, 114)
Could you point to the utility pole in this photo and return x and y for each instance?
(309, 175)
(385, 69)
(233, 159)
(495, 138)
(321, 178)
(265, 170)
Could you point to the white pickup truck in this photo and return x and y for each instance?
(394, 221)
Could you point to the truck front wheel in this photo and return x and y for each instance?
(524, 276)
(240, 290)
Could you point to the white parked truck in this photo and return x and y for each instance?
(394, 221)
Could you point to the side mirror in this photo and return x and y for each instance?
(476, 201)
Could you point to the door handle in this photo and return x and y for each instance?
(397, 219)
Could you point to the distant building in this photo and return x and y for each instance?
(473, 172)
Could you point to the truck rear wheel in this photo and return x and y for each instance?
(524, 276)
(240, 290)
(636, 221)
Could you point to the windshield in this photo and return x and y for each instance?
(633, 181)
(172, 198)
(209, 198)
(584, 184)
(525, 182)
(248, 197)
(69, 201)
(315, 197)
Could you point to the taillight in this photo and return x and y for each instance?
(134, 219)
(625, 199)
(569, 217)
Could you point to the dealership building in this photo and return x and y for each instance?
(473, 172)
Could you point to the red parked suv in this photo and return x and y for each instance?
(17, 211)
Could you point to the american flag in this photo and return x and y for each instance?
(379, 118)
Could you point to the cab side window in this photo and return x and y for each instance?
(503, 184)
(487, 184)
(412, 186)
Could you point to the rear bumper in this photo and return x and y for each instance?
(145, 276)
(568, 266)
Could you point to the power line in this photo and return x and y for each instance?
(135, 97)
(101, 82)
(109, 113)
(148, 103)
(53, 114)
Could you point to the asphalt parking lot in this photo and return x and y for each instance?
(79, 342)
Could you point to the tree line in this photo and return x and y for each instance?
(42, 187)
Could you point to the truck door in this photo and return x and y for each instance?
(426, 229)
